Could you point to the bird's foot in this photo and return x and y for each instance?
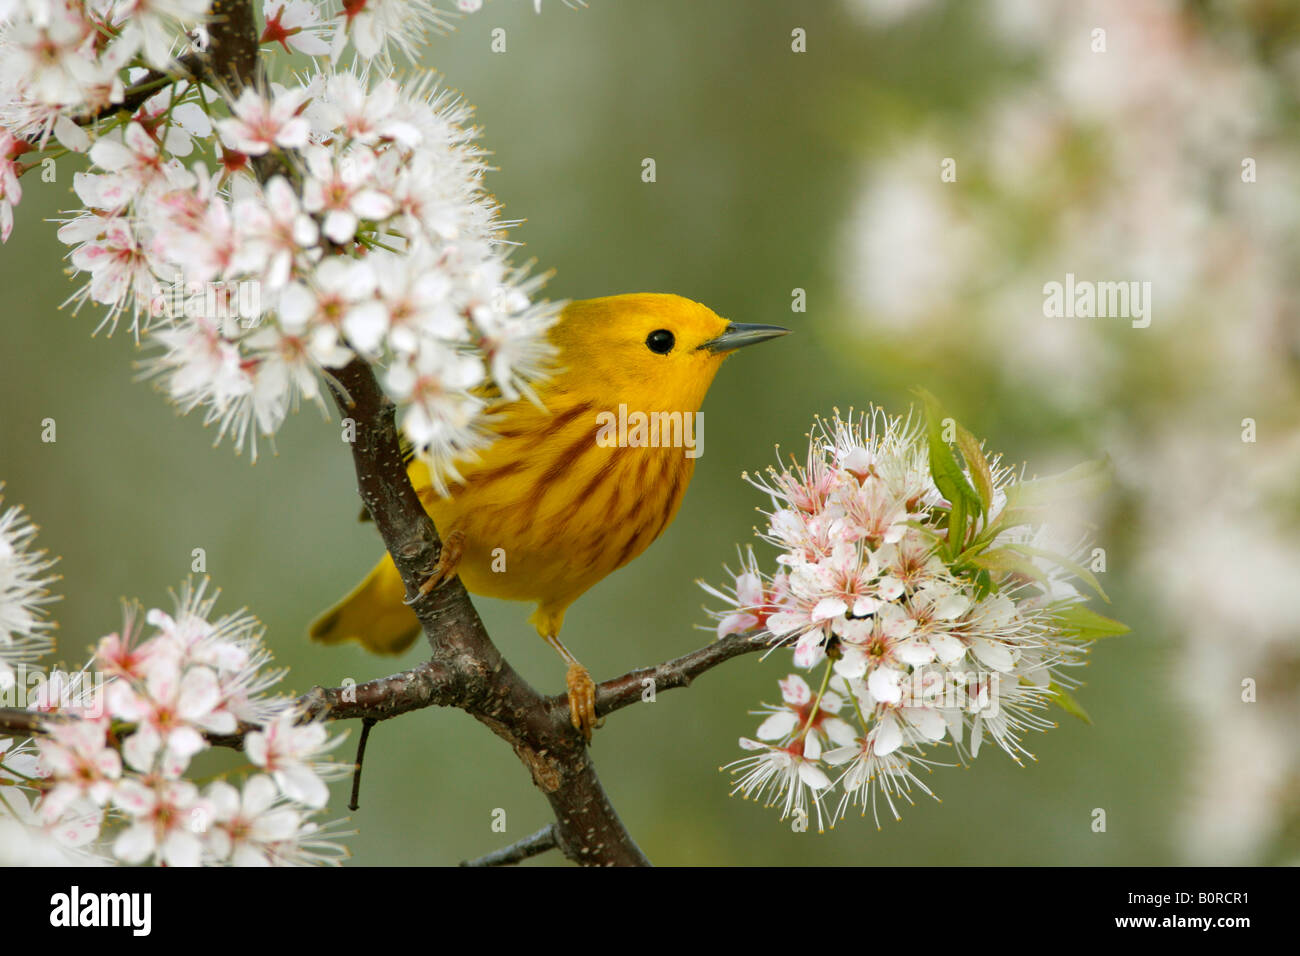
(582, 700)
(453, 546)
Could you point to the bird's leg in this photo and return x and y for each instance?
(582, 690)
(453, 546)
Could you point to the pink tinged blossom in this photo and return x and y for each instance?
(259, 125)
(749, 594)
(786, 762)
(155, 26)
(203, 249)
(441, 409)
(809, 651)
(859, 461)
(750, 600)
(167, 819)
(419, 302)
(274, 230)
(51, 61)
(178, 124)
(79, 761)
(783, 776)
(284, 372)
(136, 160)
(860, 566)
(122, 654)
(799, 712)
(11, 191)
(119, 266)
(201, 365)
(338, 303)
(796, 694)
(874, 511)
(170, 715)
(184, 633)
(342, 189)
(374, 26)
(366, 115)
(295, 25)
(78, 825)
(247, 826)
(285, 749)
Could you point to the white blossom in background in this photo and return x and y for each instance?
(1236, 668)
(887, 12)
(255, 244)
(1164, 118)
(922, 640)
(1170, 158)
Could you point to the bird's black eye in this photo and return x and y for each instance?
(661, 341)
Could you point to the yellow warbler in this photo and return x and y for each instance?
(570, 492)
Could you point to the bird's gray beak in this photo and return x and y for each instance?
(737, 335)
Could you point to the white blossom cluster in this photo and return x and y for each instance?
(923, 638)
(106, 779)
(257, 242)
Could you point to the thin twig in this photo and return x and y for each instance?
(541, 841)
(612, 695)
(366, 724)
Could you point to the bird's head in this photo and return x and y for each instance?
(652, 351)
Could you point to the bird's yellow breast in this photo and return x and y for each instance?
(549, 511)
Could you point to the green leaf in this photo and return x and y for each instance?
(1077, 570)
(1007, 561)
(980, 472)
(984, 585)
(1087, 624)
(1065, 700)
(957, 526)
(947, 472)
(1081, 481)
(1031, 501)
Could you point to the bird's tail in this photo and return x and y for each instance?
(373, 614)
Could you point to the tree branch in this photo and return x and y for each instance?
(618, 693)
(28, 723)
(233, 47)
(539, 842)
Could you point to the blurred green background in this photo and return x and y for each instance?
(819, 171)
